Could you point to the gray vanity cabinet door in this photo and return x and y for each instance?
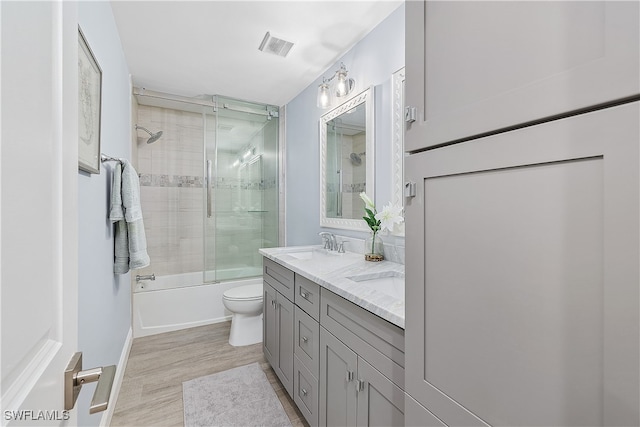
(338, 367)
(380, 401)
(474, 67)
(269, 324)
(285, 340)
(522, 275)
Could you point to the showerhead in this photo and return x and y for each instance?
(154, 136)
(356, 160)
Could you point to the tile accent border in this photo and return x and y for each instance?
(188, 181)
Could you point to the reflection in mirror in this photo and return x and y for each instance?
(346, 137)
(346, 163)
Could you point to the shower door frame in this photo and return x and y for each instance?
(211, 157)
(214, 105)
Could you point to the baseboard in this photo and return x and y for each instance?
(154, 330)
(105, 421)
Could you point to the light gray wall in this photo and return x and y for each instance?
(371, 62)
(104, 300)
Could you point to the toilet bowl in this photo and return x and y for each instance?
(245, 304)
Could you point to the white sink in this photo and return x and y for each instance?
(388, 282)
(313, 254)
(318, 260)
(302, 255)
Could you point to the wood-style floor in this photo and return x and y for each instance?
(151, 392)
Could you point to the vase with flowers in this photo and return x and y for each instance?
(377, 222)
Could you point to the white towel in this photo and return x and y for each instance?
(130, 239)
(138, 257)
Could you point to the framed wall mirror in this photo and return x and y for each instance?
(347, 162)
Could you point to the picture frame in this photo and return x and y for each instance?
(89, 107)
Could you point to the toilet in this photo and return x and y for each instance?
(245, 303)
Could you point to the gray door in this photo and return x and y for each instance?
(284, 365)
(380, 401)
(270, 340)
(522, 275)
(338, 366)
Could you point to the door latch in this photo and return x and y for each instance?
(75, 378)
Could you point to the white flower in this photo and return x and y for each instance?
(389, 216)
(367, 201)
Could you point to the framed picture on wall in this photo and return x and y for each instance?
(89, 97)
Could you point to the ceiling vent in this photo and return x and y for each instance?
(275, 45)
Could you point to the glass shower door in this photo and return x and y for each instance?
(241, 152)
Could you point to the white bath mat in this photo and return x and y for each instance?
(236, 397)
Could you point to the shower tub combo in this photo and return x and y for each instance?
(209, 195)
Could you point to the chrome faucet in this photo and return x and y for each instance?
(329, 240)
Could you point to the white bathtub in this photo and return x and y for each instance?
(178, 302)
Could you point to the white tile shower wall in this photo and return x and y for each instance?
(171, 177)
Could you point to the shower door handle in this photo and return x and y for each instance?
(209, 163)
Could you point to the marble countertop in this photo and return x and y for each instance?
(332, 271)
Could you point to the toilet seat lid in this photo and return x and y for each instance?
(244, 292)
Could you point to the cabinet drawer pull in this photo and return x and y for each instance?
(359, 385)
(304, 294)
(304, 392)
(305, 339)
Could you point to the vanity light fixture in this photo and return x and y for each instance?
(342, 86)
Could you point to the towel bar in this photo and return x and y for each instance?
(105, 158)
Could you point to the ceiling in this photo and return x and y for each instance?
(211, 47)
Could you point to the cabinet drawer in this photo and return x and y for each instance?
(307, 341)
(305, 393)
(374, 339)
(307, 296)
(279, 277)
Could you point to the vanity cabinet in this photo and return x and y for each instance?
(478, 67)
(356, 348)
(291, 332)
(352, 392)
(278, 328)
(344, 365)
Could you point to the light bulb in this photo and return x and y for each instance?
(341, 84)
(323, 95)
